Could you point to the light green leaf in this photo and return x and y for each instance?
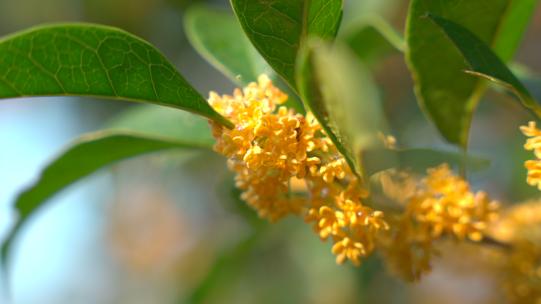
(372, 39)
(512, 27)
(217, 35)
(484, 62)
(447, 95)
(165, 122)
(341, 94)
(94, 60)
(279, 28)
(419, 159)
(85, 156)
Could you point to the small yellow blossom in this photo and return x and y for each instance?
(533, 143)
(522, 273)
(445, 205)
(520, 263)
(272, 147)
(338, 213)
(407, 249)
(388, 141)
(520, 221)
(347, 248)
(398, 186)
(441, 204)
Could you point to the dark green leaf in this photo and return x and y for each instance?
(419, 159)
(484, 62)
(342, 96)
(93, 60)
(278, 28)
(373, 39)
(85, 156)
(447, 95)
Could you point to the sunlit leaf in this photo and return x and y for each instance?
(217, 35)
(165, 122)
(97, 61)
(278, 28)
(447, 95)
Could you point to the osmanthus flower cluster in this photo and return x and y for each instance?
(445, 204)
(272, 146)
(520, 228)
(439, 205)
(533, 144)
(516, 256)
(520, 262)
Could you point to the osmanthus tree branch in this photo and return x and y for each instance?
(490, 241)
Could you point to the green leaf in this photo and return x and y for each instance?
(228, 263)
(165, 122)
(85, 156)
(279, 28)
(225, 268)
(97, 61)
(484, 62)
(217, 35)
(447, 95)
(341, 94)
(512, 27)
(419, 159)
(372, 39)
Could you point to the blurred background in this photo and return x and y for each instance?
(168, 228)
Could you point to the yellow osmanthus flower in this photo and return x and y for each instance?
(407, 250)
(522, 273)
(520, 221)
(388, 141)
(439, 204)
(444, 204)
(520, 227)
(270, 147)
(398, 186)
(338, 213)
(533, 143)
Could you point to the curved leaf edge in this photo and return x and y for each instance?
(304, 64)
(214, 116)
(453, 31)
(189, 19)
(290, 80)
